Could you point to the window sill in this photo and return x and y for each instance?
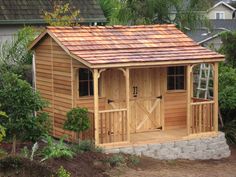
(176, 91)
(87, 97)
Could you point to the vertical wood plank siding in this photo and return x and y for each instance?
(175, 110)
(54, 81)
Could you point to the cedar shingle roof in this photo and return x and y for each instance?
(130, 44)
(32, 11)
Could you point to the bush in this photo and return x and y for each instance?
(227, 101)
(134, 160)
(10, 163)
(62, 172)
(19, 101)
(37, 127)
(2, 128)
(230, 131)
(77, 120)
(25, 152)
(2, 153)
(85, 146)
(116, 160)
(56, 149)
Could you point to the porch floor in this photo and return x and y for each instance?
(158, 136)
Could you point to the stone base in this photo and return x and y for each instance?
(195, 149)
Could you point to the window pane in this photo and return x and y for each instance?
(180, 82)
(171, 83)
(171, 70)
(91, 87)
(83, 89)
(90, 75)
(180, 70)
(83, 74)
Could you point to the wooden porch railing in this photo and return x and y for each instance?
(202, 116)
(113, 126)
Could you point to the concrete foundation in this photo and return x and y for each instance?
(194, 149)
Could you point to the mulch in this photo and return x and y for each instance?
(87, 164)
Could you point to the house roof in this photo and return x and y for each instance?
(128, 45)
(222, 3)
(204, 34)
(32, 11)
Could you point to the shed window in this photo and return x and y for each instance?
(85, 82)
(176, 78)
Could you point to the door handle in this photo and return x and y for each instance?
(159, 97)
(109, 101)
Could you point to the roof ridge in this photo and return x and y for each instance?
(111, 27)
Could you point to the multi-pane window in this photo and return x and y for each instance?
(176, 78)
(85, 82)
(220, 15)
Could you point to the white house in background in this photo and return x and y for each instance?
(221, 10)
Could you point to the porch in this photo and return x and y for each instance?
(124, 117)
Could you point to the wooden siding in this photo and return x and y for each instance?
(54, 81)
(145, 106)
(175, 110)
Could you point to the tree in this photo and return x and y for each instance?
(77, 120)
(62, 16)
(14, 55)
(229, 47)
(132, 12)
(19, 101)
(2, 128)
(227, 86)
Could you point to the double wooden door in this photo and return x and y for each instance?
(145, 100)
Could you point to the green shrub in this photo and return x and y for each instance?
(19, 101)
(62, 172)
(77, 120)
(230, 131)
(2, 128)
(134, 160)
(2, 153)
(25, 152)
(10, 163)
(116, 160)
(227, 101)
(56, 149)
(37, 127)
(85, 146)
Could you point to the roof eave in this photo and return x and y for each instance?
(220, 3)
(42, 21)
(35, 43)
(157, 63)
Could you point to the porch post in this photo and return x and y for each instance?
(96, 108)
(127, 103)
(189, 99)
(215, 81)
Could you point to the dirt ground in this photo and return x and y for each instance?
(91, 164)
(154, 168)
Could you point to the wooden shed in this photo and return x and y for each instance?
(136, 81)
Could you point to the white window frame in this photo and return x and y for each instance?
(220, 12)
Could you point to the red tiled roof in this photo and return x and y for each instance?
(128, 44)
